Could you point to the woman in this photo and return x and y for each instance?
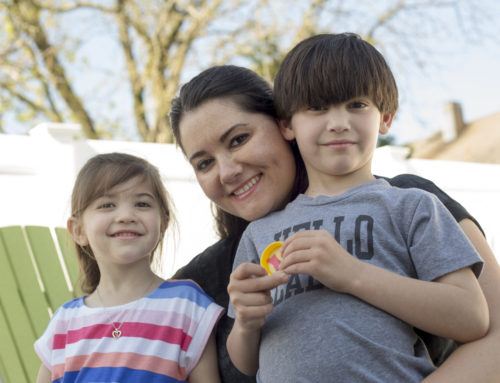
(225, 123)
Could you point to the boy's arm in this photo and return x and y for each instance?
(452, 306)
(249, 291)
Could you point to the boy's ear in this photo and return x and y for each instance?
(77, 232)
(286, 130)
(386, 122)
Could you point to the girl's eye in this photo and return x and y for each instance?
(203, 164)
(143, 204)
(106, 205)
(239, 139)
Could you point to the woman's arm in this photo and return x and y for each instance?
(478, 361)
(44, 375)
(207, 371)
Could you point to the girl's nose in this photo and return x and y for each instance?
(125, 215)
(229, 170)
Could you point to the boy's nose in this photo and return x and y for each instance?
(337, 121)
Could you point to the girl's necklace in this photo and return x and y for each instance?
(116, 333)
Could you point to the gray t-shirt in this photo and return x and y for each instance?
(317, 335)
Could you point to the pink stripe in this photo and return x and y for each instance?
(141, 315)
(141, 330)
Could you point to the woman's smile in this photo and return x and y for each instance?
(241, 160)
(248, 188)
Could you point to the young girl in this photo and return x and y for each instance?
(132, 326)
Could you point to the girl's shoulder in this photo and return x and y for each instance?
(182, 289)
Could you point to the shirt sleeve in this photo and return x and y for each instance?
(437, 244)
(406, 181)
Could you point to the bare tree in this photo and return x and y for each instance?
(48, 71)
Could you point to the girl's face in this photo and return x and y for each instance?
(121, 227)
(240, 159)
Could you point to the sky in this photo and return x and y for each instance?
(471, 77)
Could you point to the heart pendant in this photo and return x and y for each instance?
(116, 333)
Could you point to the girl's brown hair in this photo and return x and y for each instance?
(100, 174)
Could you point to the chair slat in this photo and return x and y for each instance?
(49, 265)
(18, 358)
(68, 250)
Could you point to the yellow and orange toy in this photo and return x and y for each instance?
(271, 257)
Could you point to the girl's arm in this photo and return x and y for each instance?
(44, 375)
(453, 306)
(207, 370)
(477, 361)
(249, 291)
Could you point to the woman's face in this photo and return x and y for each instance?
(240, 159)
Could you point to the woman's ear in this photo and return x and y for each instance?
(76, 230)
(286, 130)
(386, 122)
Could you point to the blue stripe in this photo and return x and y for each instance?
(114, 374)
(182, 289)
(73, 304)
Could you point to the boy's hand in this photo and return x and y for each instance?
(318, 254)
(249, 291)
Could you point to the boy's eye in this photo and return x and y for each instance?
(358, 104)
(316, 108)
(238, 140)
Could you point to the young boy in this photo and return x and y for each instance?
(367, 262)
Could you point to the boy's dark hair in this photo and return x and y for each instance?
(248, 91)
(329, 69)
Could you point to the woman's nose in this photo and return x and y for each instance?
(229, 170)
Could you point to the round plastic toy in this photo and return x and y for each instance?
(271, 257)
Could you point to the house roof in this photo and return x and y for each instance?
(479, 141)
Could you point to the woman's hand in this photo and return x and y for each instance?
(318, 254)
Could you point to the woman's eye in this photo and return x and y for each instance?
(203, 164)
(238, 140)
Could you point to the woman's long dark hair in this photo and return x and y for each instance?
(251, 93)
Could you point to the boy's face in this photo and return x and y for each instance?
(337, 141)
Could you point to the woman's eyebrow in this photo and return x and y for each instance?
(224, 136)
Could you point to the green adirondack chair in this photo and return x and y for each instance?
(38, 272)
